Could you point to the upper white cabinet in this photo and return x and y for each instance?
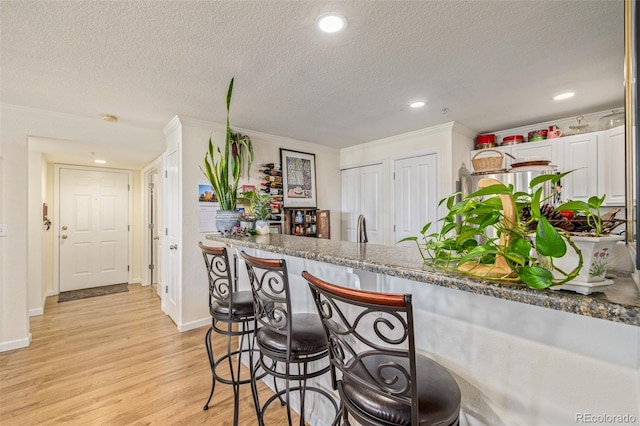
(611, 166)
(597, 160)
(580, 154)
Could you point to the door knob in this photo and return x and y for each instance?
(156, 238)
(63, 236)
(173, 247)
(64, 227)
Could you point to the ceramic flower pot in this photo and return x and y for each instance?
(262, 227)
(595, 256)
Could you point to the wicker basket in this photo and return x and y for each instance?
(487, 163)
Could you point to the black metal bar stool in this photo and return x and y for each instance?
(232, 316)
(374, 366)
(285, 338)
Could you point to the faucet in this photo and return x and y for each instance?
(362, 229)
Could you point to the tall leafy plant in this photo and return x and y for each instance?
(528, 246)
(223, 170)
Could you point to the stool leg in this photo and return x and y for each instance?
(207, 342)
(303, 391)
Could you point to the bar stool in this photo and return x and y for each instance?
(285, 338)
(232, 316)
(374, 365)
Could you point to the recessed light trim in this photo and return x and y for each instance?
(332, 23)
(563, 96)
(417, 104)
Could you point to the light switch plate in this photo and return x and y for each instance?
(3, 230)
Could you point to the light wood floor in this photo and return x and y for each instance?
(116, 360)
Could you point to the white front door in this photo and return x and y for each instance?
(93, 228)
(171, 248)
(416, 198)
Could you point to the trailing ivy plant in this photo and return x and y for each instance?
(463, 238)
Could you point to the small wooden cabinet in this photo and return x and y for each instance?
(307, 222)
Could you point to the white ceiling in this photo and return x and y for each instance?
(491, 64)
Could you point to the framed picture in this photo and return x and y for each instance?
(298, 178)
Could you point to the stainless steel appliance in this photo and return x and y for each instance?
(519, 179)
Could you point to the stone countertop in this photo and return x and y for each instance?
(620, 303)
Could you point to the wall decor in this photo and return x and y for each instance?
(299, 178)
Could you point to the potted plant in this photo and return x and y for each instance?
(260, 209)
(223, 170)
(521, 250)
(591, 232)
(530, 243)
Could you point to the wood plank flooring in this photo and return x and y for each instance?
(117, 360)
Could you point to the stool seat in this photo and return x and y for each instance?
(438, 393)
(242, 305)
(307, 336)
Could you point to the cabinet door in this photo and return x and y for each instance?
(611, 166)
(580, 153)
(545, 150)
(363, 193)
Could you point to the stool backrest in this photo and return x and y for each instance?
(364, 327)
(221, 289)
(270, 286)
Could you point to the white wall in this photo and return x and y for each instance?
(17, 124)
(194, 142)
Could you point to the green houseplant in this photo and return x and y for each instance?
(260, 209)
(531, 241)
(520, 249)
(223, 170)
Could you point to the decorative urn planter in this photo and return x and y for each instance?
(227, 219)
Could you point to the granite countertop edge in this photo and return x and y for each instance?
(405, 262)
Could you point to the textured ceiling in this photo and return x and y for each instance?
(491, 64)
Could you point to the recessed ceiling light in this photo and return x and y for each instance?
(332, 23)
(417, 104)
(100, 161)
(110, 118)
(562, 96)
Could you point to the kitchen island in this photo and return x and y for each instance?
(520, 356)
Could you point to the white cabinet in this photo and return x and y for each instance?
(542, 150)
(597, 160)
(580, 154)
(611, 166)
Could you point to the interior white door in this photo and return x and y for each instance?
(93, 228)
(156, 276)
(415, 195)
(172, 250)
(363, 193)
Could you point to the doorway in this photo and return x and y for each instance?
(152, 217)
(91, 228)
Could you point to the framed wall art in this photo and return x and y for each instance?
(298, 178)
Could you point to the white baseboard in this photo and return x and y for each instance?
(15, 344)
(51, 293)
(194, 324)
(135, 281)
(35, 312)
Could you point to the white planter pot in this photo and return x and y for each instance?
(596, 252)
(262, 227)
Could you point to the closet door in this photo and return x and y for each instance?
(415, 189)
(363, 194)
